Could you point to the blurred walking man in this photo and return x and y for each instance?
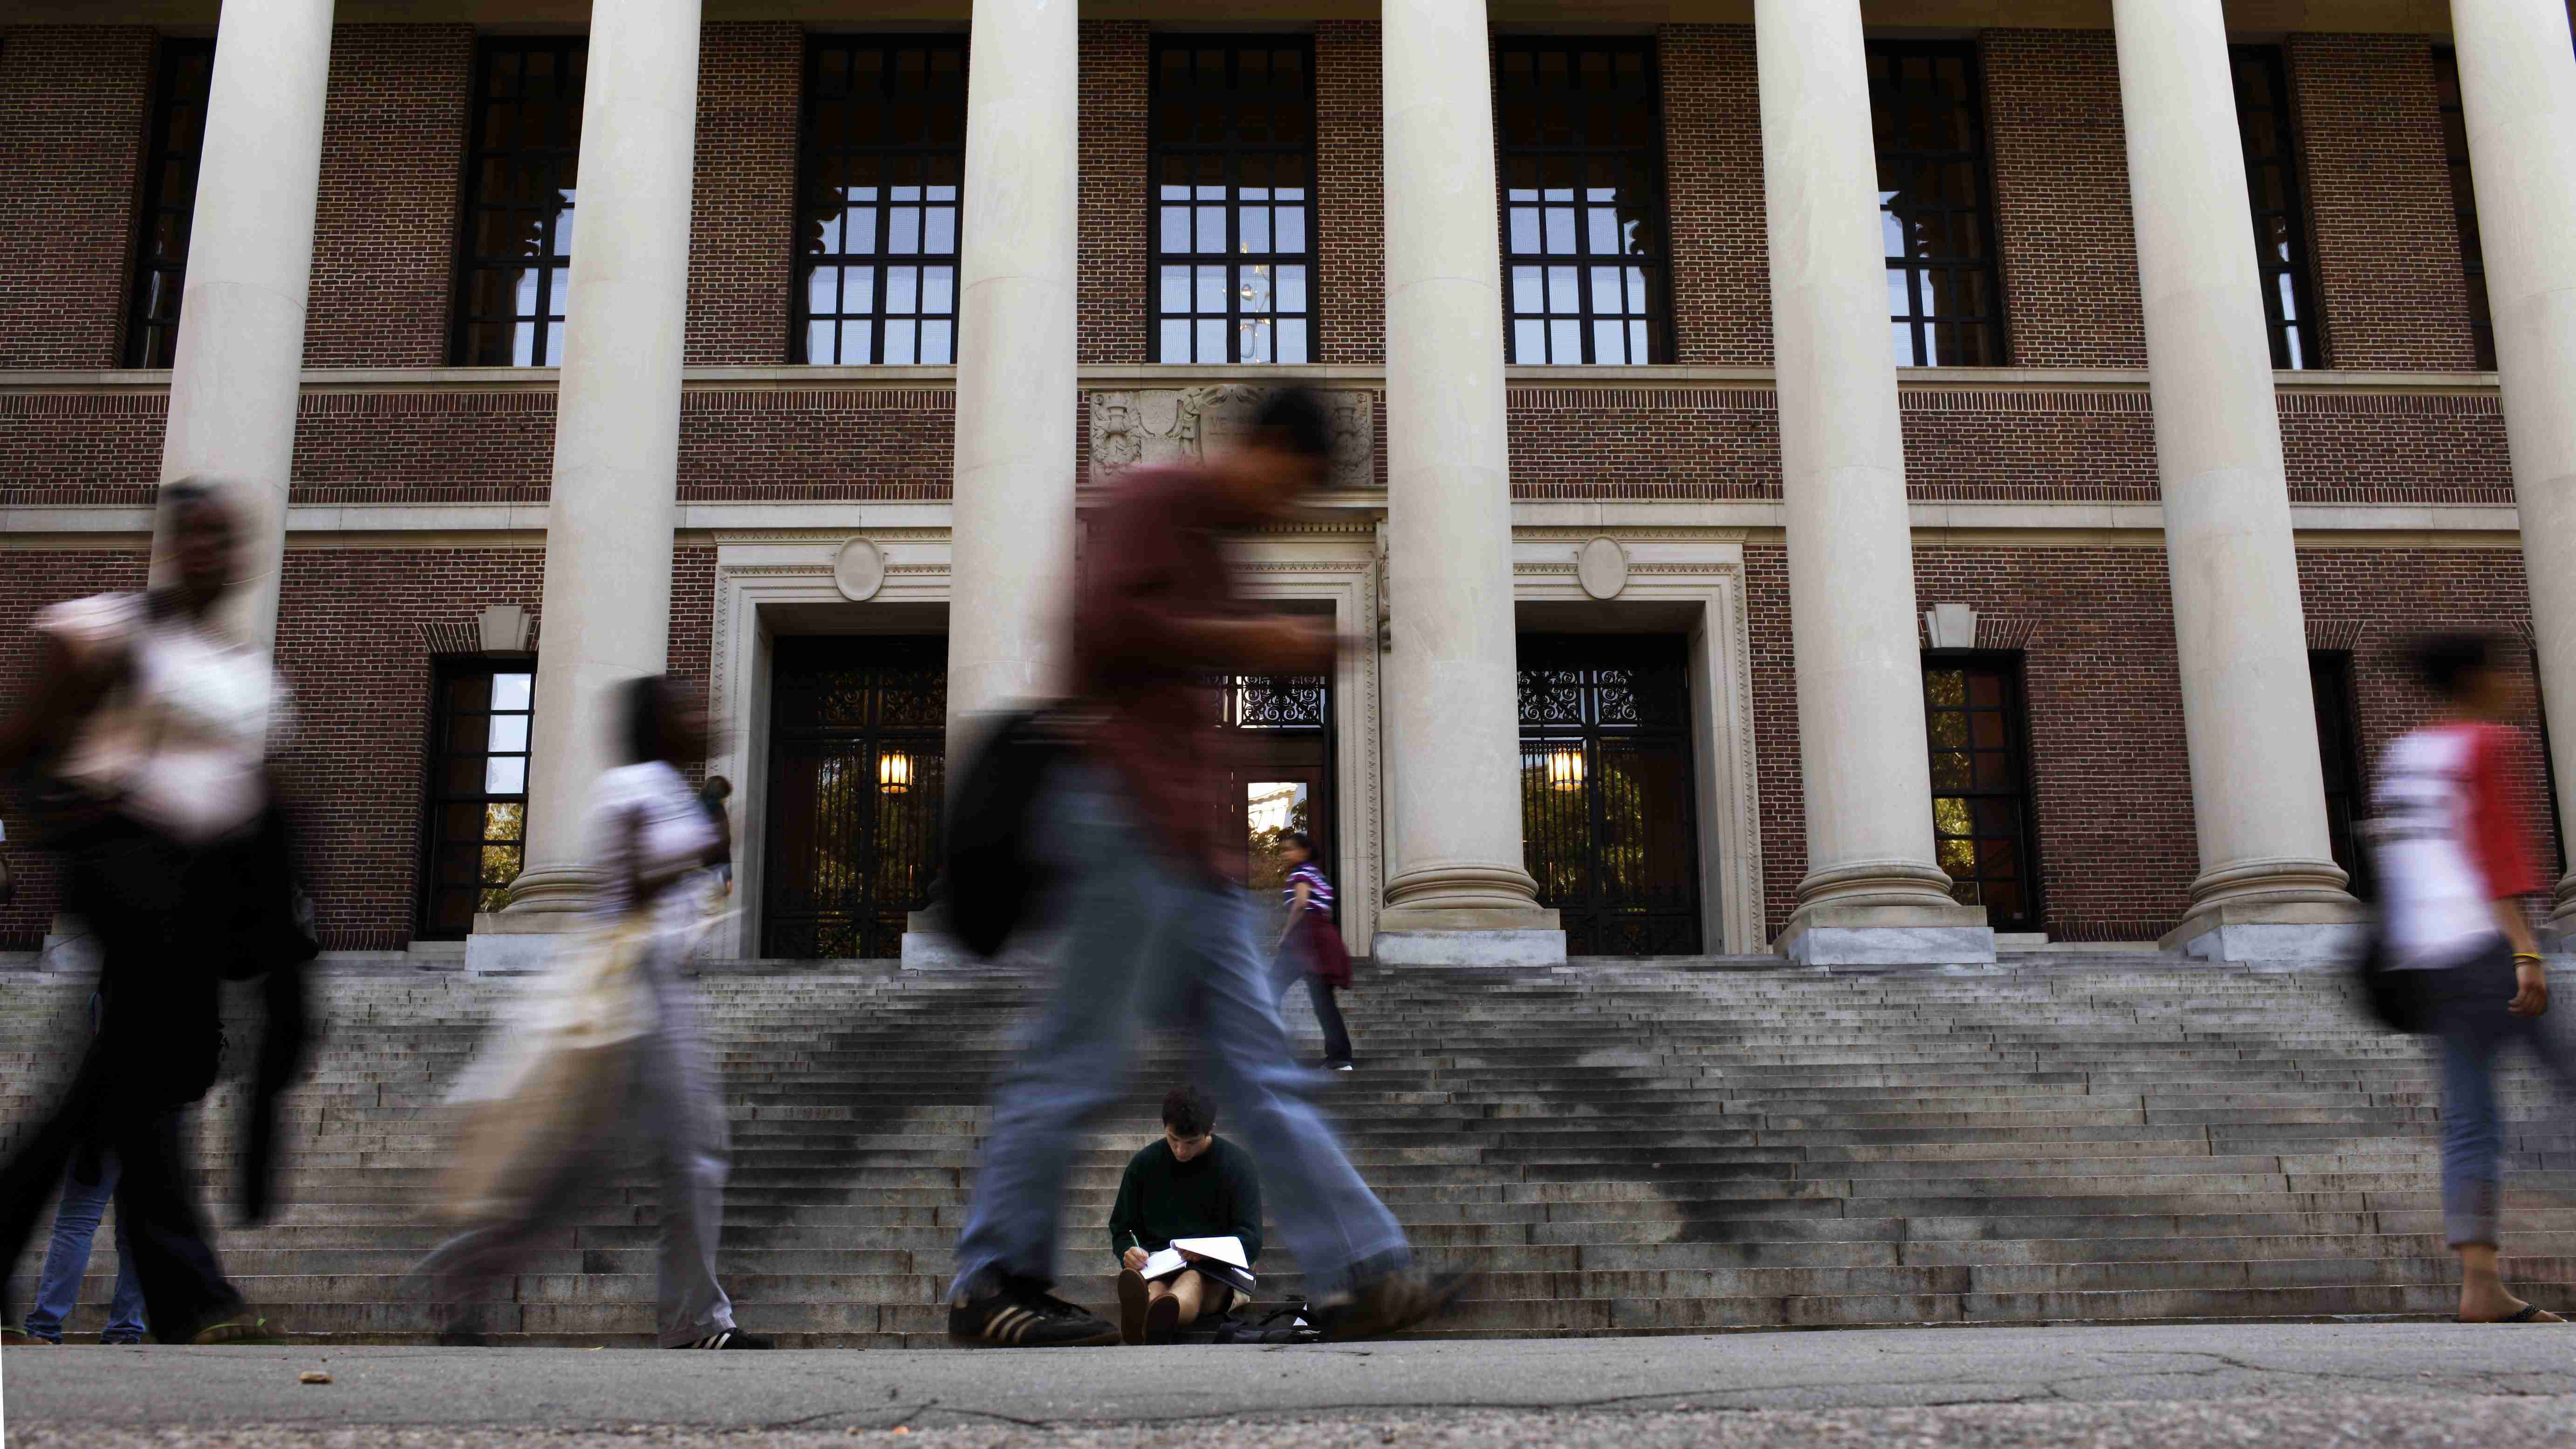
(1155, 920)
(2455, 861)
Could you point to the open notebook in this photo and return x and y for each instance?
(1218, 1258)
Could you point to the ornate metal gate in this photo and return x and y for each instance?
(856, 754)
(1609, 818)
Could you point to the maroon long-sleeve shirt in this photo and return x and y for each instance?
(1155, 577)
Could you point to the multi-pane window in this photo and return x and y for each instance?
(1583, 200)
(2464, 203)
(478, 791)
(515, 258)
(2339, 753)
(1234, 201)
(2280, 218)
(1936, 204)
(876, 235)
(1982, 817)
(169, 202)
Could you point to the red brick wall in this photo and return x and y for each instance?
(384, 231)
(853, 443)
(1109, 285)
(74, 102)
(743, 216)
(2379, 201)
(2366, 449)
(1782, 779)
(1350, 194)
(30, 579)
(1643, 442)
(2061, 175)
(349, 641)
(1713, 189)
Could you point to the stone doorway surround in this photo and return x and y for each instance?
(1637, 577)
(889, 574)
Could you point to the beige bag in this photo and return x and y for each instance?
(549, 1087)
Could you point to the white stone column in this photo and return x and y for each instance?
(606, 613)
(1459, 893)
(1873, 893)
(240, 357)
(1011, 555)
(1011, 513)
(2518, 85)
(2268, 887)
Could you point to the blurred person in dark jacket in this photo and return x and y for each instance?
(1156, 921)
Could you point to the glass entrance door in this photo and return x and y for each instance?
(1609, 817)
(857, 746)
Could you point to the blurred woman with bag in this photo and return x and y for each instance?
(150, 725)
(608, 1037)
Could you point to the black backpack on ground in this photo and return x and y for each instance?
(992, 876)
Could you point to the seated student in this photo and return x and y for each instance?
(1190, 1184)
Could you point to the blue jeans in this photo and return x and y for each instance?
(67, 1261)
(1142, 939)
(2474, 1030)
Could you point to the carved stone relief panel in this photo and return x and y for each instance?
(1154, 426)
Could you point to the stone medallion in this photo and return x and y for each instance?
(858, 570)
(1603, 568)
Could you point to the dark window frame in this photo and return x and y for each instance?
(2013, 667)
(151, 329)
(2464, 204)
(1530, 292)
(931, 153)
(445, 670)
(1233, 149)
(2299, 267)
(553, 264)
(1902, 210)
(2334, 685)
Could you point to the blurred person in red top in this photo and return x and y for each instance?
(2456, 859)
(1155, 921)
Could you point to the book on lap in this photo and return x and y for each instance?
(1220, 1259)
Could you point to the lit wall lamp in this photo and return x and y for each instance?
(894, 773)
(1565, 770)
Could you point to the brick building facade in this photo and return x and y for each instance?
(418, 485)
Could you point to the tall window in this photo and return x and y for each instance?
(2464, 203)
(1234, 201)
(478, 791)
(1583, 196)
(2339, 752)
(1983, 821)
(515, 258)
(2280, 217)
(1936, 204)
(876, 236)
(169, 202)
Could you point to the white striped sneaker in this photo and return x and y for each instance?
(1021, 1314)
(733, 1338)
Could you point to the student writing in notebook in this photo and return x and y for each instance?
(1189, 1183)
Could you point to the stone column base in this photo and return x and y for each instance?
(1842, 933)
(1467, 936)
(2316, 932)
(505, 943)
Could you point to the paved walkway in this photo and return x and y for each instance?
(2234, 1385)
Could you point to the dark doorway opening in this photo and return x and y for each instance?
(1609, 800)
(2339, 756)
(857, 747)
(1985, 825)
(1282, 766)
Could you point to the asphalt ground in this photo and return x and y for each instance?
(2255, 1385)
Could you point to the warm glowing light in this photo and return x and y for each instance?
(894, 773)
(1565, 770)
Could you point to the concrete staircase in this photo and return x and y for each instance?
(1615, 1147)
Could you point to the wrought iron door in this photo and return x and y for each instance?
(1282, 764)
(856, 754)
(1609, 819)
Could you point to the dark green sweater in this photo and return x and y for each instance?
(1216, 1194)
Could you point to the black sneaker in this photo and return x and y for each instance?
(1389, 1305)
(730, 1338)
(1020, 1314)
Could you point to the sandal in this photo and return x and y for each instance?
(2531, 1313)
